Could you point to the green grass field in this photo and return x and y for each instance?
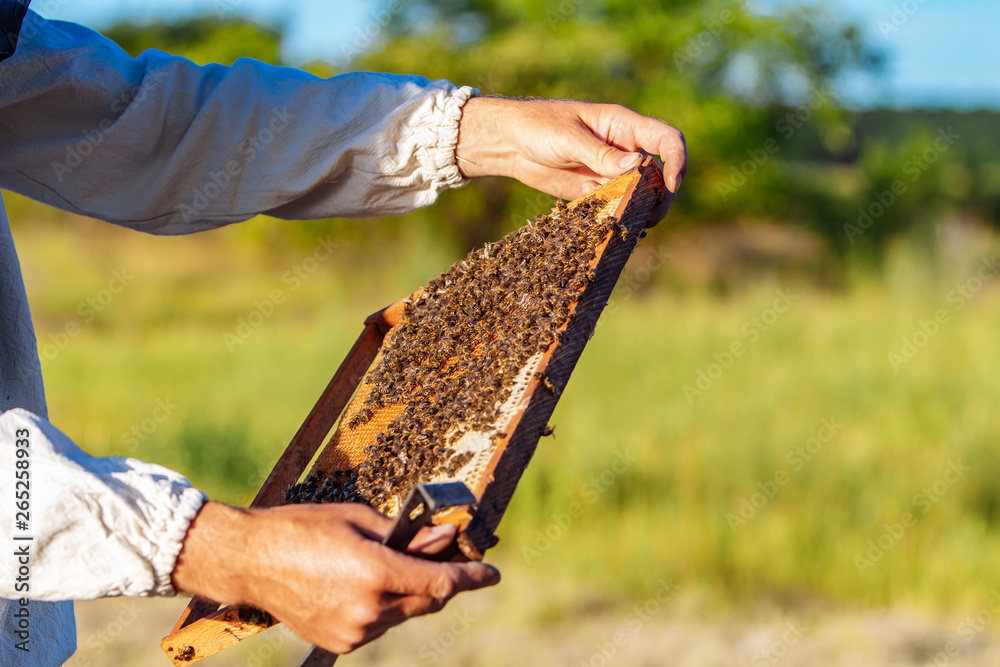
(800, 461)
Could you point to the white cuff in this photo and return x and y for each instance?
(100, 527)
(438, 138)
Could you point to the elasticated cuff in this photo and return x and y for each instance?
(174, 525)
(436, 154)
(99, 526)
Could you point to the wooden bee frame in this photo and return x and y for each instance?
(204, 629)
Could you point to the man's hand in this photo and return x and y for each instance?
(320, 569)
(564, 148)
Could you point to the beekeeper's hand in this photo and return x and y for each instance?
(320, 569)
(564, 148)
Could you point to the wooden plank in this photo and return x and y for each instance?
(321, 419)
(197, 608)
(391, 315)
(210, 635)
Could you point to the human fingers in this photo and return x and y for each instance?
(433, 540)
(660, 211)
(370, 523)
(406, 575)
(656, 137)
(375, 526)
(399, 588)
(431, 598)
(567, 184)
(597, 156)
(631, 131)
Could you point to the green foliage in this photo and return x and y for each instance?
(203, 39)
(753, 92)
(725, 76)
(666, 513)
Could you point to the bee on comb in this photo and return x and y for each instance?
(455, 357)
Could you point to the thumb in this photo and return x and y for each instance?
(602, 158)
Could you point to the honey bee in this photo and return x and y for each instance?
(454, 357)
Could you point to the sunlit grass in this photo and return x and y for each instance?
(684, 467)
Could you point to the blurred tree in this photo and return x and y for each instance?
(740, 84)
(203, 39)
(754, 93)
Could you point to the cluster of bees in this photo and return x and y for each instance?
(339, 486)
(454, 358)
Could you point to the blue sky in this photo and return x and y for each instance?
(942, 52)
